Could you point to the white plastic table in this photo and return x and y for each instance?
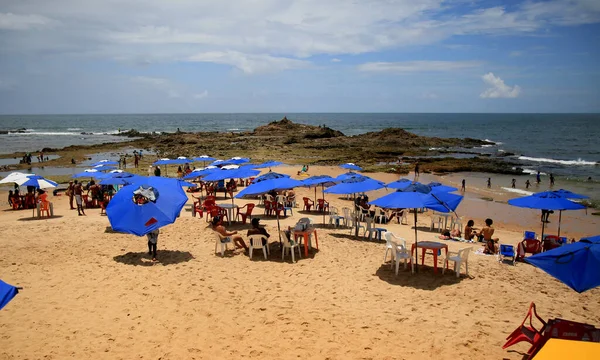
(230, 207)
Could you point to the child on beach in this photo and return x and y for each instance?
(152, 242)
(527, 184)
(489, 183)
(513, 183)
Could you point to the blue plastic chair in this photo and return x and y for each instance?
(507, 251)
(529, 235)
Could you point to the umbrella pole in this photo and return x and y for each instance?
(416, 243)
(355, 215)
(323, 194)
(543, 224)
(279, 226)
(316, 195)
(559, 218)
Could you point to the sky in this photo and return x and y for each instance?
(189, 56)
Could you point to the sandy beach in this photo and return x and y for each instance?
(89, 293)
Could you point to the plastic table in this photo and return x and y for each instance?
(429, 245)
(306, 234)
(230, 208)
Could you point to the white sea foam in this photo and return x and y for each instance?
(495, 142)
(486, 146)
(234, 129)
(532, 172)
(562, 162)
(518, 191)
(434, 149)
(73, 129)
(46, 133)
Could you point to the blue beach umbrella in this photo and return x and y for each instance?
(236, 160)
(569, 194)
(351, 166)
(574, 264)
(163, 161)
(104, 167)
(120, 179)
(7, 293)
(91, 173)
(418, 196)
(347, 175)
(200, 172)
(204, 158)
(165, 199)
(36, 181)
(239, 173)
(268, 164)
(439, 187)
(546, 200)
(399, 184)
(270, 181)
(353, 185)
(105, 162)
(324, 181)
(180, 161)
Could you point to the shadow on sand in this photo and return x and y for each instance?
(424, 278)
(164, 257)
(40, 218)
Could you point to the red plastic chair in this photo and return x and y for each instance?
(529, 246)
(45, 207)
(244, 214)
(16, 203)
(211, 212)
(269, 207)
(528, 333)
(550, 242)
(223, 214)
(308, 203)
(322, 205)
(103, 206)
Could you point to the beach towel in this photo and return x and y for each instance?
(480, 252)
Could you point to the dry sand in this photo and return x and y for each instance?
(93, 294)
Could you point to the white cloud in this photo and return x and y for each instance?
(158, 82)
(417, 66)
(269, 35)
(201, 95)
(250, 64)
(10, 21)
(335, 60)
(498, 88)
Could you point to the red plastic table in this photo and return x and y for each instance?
(306, 235)
(429, 245)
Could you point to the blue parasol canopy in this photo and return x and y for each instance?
(268, 164)
(7, 293)
(399, 184)
(269, 182)
(36, 181)
(351, 166)
(355, 184)
(104, 167)
(90, 173)
(574, 264)
(165, 197)
(164, 161)
(204, 158)
(201, 172)
(120, 179)
(105, 162)
(239, 173)
(439, 187)
(324, 180)
(236, 160)
(347, 175)
(569, 194)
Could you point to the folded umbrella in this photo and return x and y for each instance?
(574, 264)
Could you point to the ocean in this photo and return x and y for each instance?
(563, 144)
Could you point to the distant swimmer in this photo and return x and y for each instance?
(463, 185)
(513, 183)
(589, 178)
(416, 170)
(551, 180)
(489, 183)
(527, 184)
(537, 178)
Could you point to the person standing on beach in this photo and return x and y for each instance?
(416, 170)
(157, 171)
(527, 184)
(136, 160)
(489, 183)
(463, 185)
(149, 170)
(537, 178)
(513, 183)
(551, 180)
(71, 194)
(78, 198)
(152, 242)
(125, 161)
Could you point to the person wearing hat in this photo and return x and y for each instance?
(258, 230)
(217, 226)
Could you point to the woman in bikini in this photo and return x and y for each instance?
(490, 243)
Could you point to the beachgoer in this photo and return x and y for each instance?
(71, 194)
(527, 184)
(537, 178)
(157, 171)
(551, 180)
(416, 170)
(141, 156)
(463, 185)
(513, 183)
(486, 235)
(42, 196)
(10, 198)
(136, 160)
(179, 172)
(78, 190)
(258, 230)
(150, 170)
(217, 226)
(152, 242)
(73, 161)
(489, 183)
(545, 214)
(470, 230)
(125, 161)
(589, 178)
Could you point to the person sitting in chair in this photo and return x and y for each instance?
(217, 226)
(258, 230)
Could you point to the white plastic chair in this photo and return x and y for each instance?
(456, 222)
(334, 216)
(459, 258)
(438, 221)
(399, 253)
(289, 245)
(348, 217)
(379, 215)
(256, 242)
(389, 238)
(370, 229)
(223, 241)
(404, 220)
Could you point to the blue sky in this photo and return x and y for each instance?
(73, 56)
